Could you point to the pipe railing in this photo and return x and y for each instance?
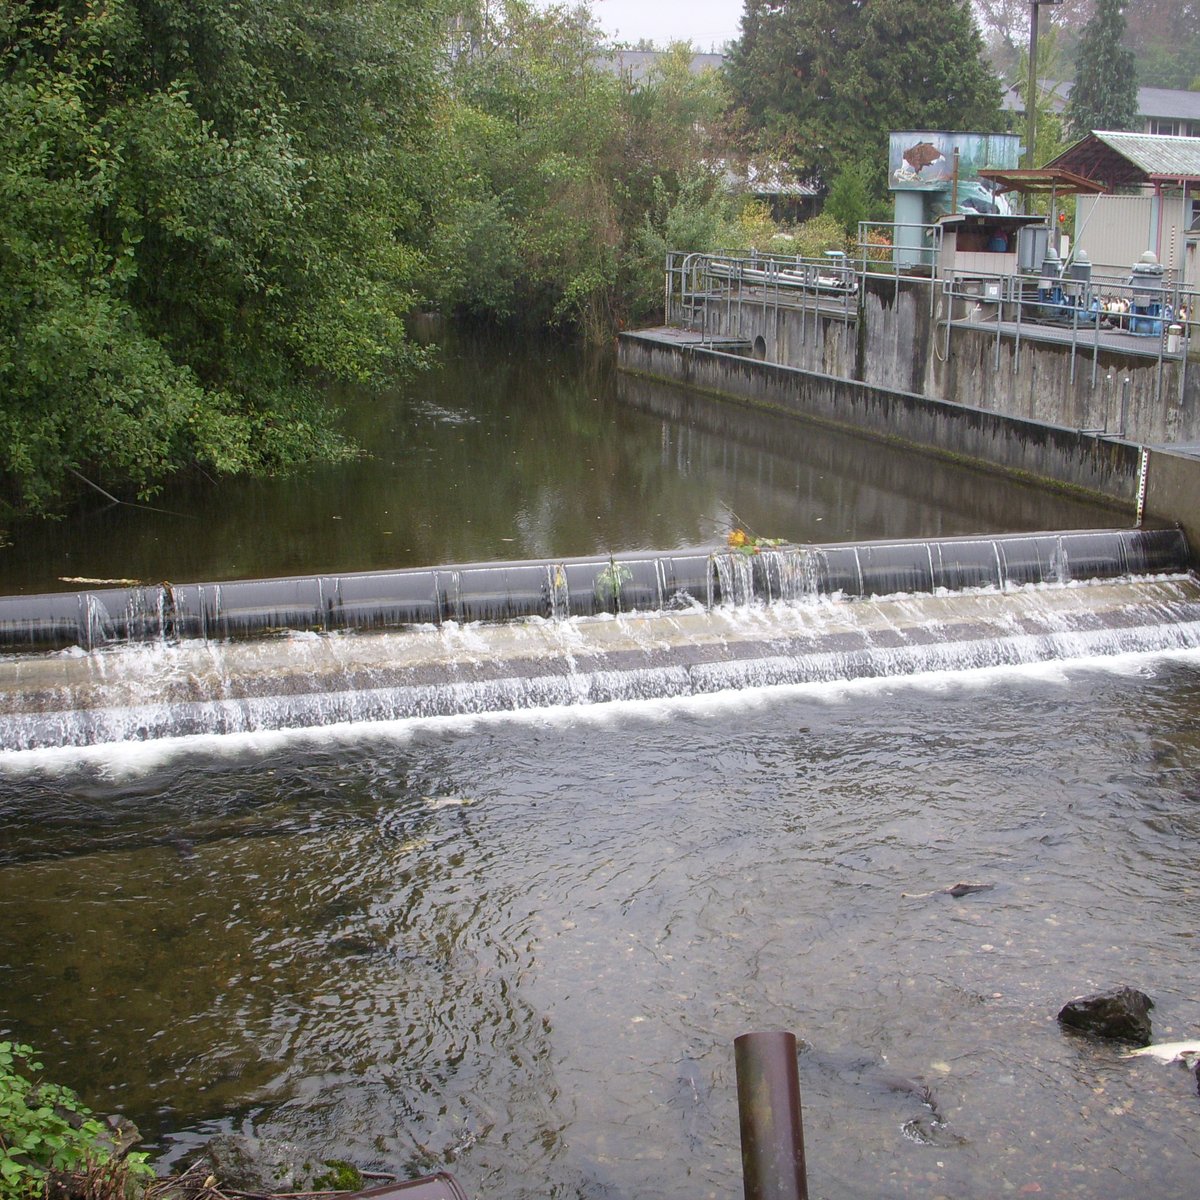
(694, 281)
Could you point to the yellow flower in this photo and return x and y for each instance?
(737, 537)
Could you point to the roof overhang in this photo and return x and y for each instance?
(1041, 180)
(992, 220)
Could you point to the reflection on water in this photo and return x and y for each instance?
(527, 452)
(520, 948)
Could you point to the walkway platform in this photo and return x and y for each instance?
(1085, 337)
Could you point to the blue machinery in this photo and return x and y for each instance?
(1066, 293)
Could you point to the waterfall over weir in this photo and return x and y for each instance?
(130, 664)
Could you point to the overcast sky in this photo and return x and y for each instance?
(707, 24)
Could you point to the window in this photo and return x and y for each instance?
(1173, 127)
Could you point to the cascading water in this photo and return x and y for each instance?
(154, 663)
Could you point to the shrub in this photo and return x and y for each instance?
(44, 1129)
(822, 233)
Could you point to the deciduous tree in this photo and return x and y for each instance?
(203, 206)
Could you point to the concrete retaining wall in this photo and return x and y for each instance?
(1173, 494)
(895, 335)
(1102, 466)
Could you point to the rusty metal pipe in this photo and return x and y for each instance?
(768, 1086)
(441, 1186)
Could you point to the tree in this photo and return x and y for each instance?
(1104, 95)
(849, 201)
(560, 173)
(204, 205)
(820, 83)
(1164, 36)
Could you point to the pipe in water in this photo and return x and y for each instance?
(772, 1128)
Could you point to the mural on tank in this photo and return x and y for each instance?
(924, 161)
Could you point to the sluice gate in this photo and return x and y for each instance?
(577, 587)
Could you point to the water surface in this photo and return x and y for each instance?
(529, 450)
(521, 947)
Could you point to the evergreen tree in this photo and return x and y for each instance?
(1104, 95)
(821, 83)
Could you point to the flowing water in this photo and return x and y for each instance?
(519, 945)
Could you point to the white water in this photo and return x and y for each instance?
(152, 692)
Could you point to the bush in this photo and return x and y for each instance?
(44, 1129)
(822, 233)
(848, 201)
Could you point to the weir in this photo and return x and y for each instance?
(509, 636)
(574, 587)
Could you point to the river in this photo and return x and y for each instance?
(519, 946)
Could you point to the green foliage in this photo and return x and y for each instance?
(341, 1177)
(1050, 133)
(203, 205)
(1164, 36)
(609, 581)
(561, 178)
(1104, 95)
(43, 1128)
(751, 228)
(849, 201)
(823, 232)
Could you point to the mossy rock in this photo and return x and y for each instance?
(341, 1177)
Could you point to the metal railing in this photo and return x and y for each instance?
(1151, 318)
(1146, 314)
(897, 249)
(697, 283)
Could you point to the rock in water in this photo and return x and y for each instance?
(262, 1165)
(1122, 1014)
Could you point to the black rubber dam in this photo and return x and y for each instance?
(576, 587)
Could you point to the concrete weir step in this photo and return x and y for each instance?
(148, 691)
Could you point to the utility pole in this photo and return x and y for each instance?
(1031, 93)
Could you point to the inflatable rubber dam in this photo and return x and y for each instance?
(151, 661)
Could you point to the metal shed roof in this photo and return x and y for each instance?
(1132, 158)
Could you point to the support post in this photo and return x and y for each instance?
(772, 1128)
(1031, 91)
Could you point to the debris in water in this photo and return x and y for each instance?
(436, 802)
(966, 889)
(748, 543)
(1168, 1052)
(956, 890)
(112, 582)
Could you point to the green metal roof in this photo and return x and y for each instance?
(1157, 154)
(1124, 158)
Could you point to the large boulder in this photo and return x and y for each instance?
(1122, 1014)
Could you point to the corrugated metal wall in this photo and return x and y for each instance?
(1115, 231)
